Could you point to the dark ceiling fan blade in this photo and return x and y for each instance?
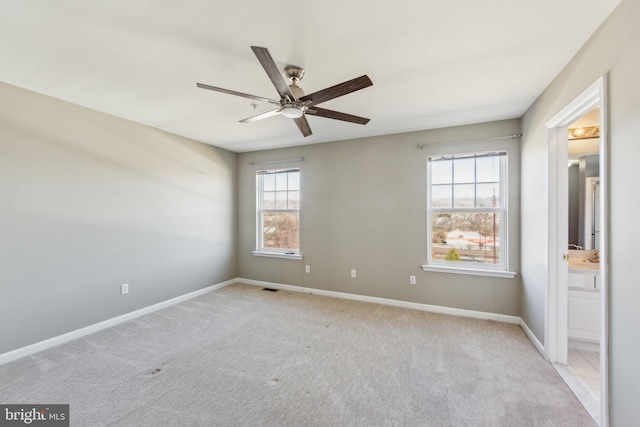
(337, 90)
(274, 74)
(261, 116)
(336, 115)
(233, 92)
(303, 125)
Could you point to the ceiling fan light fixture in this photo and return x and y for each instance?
(292, 111)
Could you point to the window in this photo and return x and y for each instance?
(467, 212)
(278, 216)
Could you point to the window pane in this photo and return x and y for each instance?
(463, 196)
(441, 172)
(441, 196)
(472, 237)
(463, 170)
(281, 230)
(281, 181)
(488, 195)
(294, 200)
(294, 180)
(269, 182)
(488, 169)
(269, 200)
(281, 199)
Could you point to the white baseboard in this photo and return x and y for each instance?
(386, 301)
(78, 333)
(536, 342)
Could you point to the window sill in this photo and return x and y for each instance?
(276, 255)
(469, 271)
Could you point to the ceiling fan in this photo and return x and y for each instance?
(293, 103)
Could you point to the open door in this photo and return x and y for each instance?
(556, 316)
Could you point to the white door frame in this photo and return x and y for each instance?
(556, 315)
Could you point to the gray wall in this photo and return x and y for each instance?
(90, 201)
(364, 207)
(614, 49)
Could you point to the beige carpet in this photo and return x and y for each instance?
(242, 356)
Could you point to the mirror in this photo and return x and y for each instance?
(584, 170)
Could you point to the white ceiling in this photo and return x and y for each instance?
(433, 63)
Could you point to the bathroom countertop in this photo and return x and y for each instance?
(583, 264)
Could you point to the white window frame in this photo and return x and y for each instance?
(468, 267)
(261, 250)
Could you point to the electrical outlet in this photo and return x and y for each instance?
(353, 274)
(124, 289)
(307, 269)
(412, 280)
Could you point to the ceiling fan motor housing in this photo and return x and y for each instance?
(294, 109)
(296, 90)
(295, 74)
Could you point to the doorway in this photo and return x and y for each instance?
(557, 185)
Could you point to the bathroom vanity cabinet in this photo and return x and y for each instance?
(584, 280)
(584, 305)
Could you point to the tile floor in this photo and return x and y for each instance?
(585, 366)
